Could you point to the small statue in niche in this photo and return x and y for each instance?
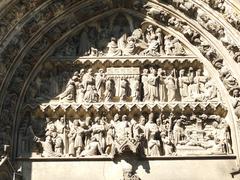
(136, 89)
(76, 143)
(168, 44)
(123, 89)
(178, 49)
(151, 130)
(139, 133)
(50, 126)
(235, 92)
(109, 92)
(171, 85)
(88, 82)
(93, 148)
(145, 84)
(199, 82)
(228, 80)
(152, 85)
(130, 48)
(70, 91)
(160, 39)
(80, 92)
(161, 85)
(100, 84)
(150, 34)
(183, 82)
(98, 131)
(210, 93)
(178, 132)
(123, 129)
(168, 146)
(47, 146)
(113, 49)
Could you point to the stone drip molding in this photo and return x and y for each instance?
(229, 10)
(16, 81)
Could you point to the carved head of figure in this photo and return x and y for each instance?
(142, 120)
(97, 119)
(54, 134)
(179, 122)
(88, 120)
(221, 32)
(237, 57)
(145, 71)
(158, 30)
(235, 92)
(76, 123)
(62, 119)
(181, 72)
(90, 71)
(158, 121)
(100, 71)
(199, 72)
(150, 28)
(159, 72)
(124, 118)
(116, 117)
(113, 39)
(153, 71)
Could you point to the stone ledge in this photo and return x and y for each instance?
(108, 158)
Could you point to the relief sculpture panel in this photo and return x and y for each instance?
(122, 87)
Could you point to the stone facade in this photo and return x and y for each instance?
(140, 88)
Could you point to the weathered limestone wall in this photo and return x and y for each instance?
(108, 170)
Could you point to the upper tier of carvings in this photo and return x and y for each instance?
(120, 39)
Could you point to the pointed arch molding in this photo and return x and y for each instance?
(71, 13)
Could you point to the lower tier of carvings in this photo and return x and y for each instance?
(147, 134)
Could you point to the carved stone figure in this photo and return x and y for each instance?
(47, 147)
(152, 85)
(136, 90)
(178, 132)
(199, 82)
(145, 84)
(109, 90)
(151, 131)
(130, 48)
(88, 81)
(162, 91)
(236, 101)
(76, 143)
(171, 86)
(168, 146)
(98, 131)
(113, 48)
(93, 148)
(123, 89)
(100, 84)
(183, 82)
(69, 93)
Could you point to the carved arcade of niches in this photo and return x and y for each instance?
(137, 90)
